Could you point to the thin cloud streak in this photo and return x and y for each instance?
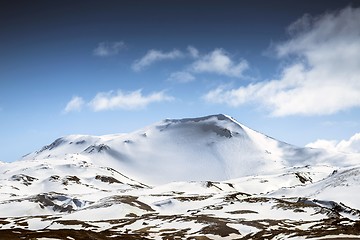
(126, 100)
(115, 100)
(74, 105)
(106, 49)
(153, 56)
(194, 52)
(181, 77)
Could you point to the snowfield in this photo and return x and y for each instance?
(200, 178)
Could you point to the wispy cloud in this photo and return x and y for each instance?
(351, 146)
(220, 62)
(126, 100)
(181, 77)
(193, 52)
(153, 56)
(217, 62)
(75, 104)
(105, 49)
(324, 76)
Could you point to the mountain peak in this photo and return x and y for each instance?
(219, 124)
(220, 117)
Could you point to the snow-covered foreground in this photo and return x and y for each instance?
(203, 178)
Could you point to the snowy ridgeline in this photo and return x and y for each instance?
(209, 176)
(201, 149)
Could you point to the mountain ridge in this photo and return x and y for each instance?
(180, 149)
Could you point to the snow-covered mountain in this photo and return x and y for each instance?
(198, 149)
(199, 178)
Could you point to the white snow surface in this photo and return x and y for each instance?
(211, 166)
(212, 148)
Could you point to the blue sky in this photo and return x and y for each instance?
(289, 69)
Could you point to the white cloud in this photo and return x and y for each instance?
(232, 97)
(219, 62)
(324, 77)
(322, 143)
(75, 104)
(153, 56)
(194, 53)
(105, 49)
(351, 146)
(181, 77)
(128, 101)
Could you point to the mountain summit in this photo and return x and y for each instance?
(214, 147)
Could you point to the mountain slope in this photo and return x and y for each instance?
(209, 148)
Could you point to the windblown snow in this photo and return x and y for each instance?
(208, 176)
